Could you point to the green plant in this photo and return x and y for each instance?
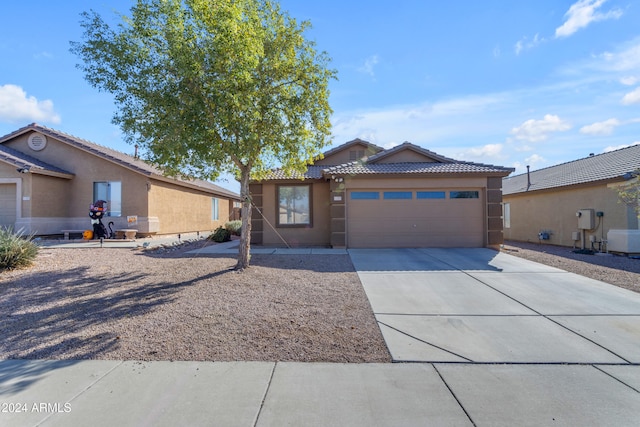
(234, 227)
(16, 250)
(221, 235)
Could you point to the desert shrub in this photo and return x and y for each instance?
(221, 235)
(234, 227)
(16, 250)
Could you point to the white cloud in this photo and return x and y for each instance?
(632, 97)
(618, 147)
(16, 106)
(538, 130)
(369, 64)
(625, 59)
(518, 47)
(525, 43)
(601, 128)
(486, 151)
(421, 123)
(534, 159)
(582, 13)
(629, 80)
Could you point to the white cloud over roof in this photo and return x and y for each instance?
(601, 128)
(16, 106)
(539, 130)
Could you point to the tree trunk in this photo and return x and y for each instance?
(245, 233)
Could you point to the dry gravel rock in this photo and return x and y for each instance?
(619, 270)
(123, 304)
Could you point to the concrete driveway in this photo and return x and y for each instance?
(516, 342)
(482, 306)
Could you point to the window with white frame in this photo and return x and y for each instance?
(507, 215)
(215, 209)
(111, 192)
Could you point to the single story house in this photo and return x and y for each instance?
(49, 179)
(544, 205)
(360, 195)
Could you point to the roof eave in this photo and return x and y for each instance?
(54, 174)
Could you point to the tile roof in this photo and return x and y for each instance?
(117, 157)
(409, 146)
(374, 148)
(21, 160)
(441, 165)
(606, 166)
(313, 172)
(359, 168)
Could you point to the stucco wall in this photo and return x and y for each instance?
(181, 210)
(48, 196)
(318, 234)
(403, 156)
(55, 204)
(343, 156)
(381, 181)
(87, 169)
(555, 211)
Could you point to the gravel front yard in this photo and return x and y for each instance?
(128, 304)
(131, 305)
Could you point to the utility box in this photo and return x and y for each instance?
(586, 219)
(623, 241)
(575, 236)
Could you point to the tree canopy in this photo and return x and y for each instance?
(213, 86)
(629, 192)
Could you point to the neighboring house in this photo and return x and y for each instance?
(362, 196)
(543, 204)
(49, 179)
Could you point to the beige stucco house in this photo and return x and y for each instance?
(544, 205)
(362, 196)
(48, 180)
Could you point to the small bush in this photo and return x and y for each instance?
(234, 227)
(221, 235)
(16, 251)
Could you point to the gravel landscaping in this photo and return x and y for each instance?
(124, 304)
(622, 271)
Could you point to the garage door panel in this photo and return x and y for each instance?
(415, 223)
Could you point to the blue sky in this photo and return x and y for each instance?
(507, 83)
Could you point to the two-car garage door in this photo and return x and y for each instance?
(415, 218)
(7, 205)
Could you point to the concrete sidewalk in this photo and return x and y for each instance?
(110, 393)
(492, 340)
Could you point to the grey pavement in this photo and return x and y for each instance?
(480, 338)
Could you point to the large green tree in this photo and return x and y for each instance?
(213, 86)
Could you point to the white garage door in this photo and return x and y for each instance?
(415, 218)
(7, 205)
